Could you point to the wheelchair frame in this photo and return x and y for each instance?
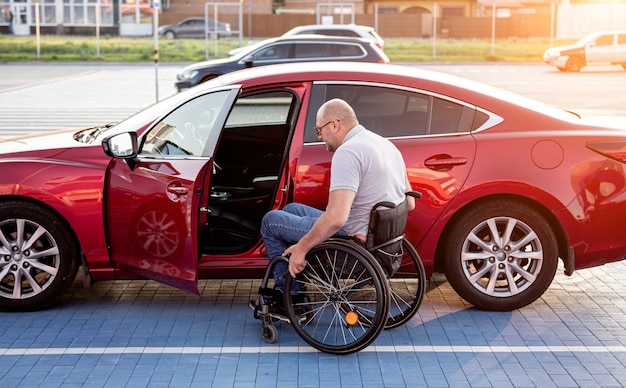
(344, 298)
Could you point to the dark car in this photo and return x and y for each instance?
(509, 185)
(313, 48)
(195, 28)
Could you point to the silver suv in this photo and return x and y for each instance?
(349, 30)
(607, 47)
(345, 30)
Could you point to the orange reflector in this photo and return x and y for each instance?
(352, 318)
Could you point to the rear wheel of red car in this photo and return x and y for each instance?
(501, 255)
(38, 259)
(574, 64)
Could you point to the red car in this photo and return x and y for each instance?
(510, 185)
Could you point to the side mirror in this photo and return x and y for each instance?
(121, 145)
(248, 61)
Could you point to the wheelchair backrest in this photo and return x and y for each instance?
(387, 223)
(385, 234)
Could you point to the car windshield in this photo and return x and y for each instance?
(140, 120)
(587, 39)
(245, 51)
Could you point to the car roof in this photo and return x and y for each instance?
(332, 70)
(194, 18)
(315, 37)
(401, 76)
(331, 27)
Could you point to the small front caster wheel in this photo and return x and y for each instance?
(269, 333)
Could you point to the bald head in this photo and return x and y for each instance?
(338, 109)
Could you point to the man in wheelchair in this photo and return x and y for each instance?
(365, 169)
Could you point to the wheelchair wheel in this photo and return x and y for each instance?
(407, 288)
(343, 301)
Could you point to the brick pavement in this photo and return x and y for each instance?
(140, 333)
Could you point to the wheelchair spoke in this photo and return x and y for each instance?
(342, 303)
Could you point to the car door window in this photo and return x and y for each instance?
(185, 131)
(312, 50)
(604, 40)
(272, 53)
(397, 112)
(248, 161)
(349, 50)
(450, 117)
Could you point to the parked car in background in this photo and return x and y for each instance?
(509, 185)
(299, 48)
(347, 30)
(608, 47)
(195, 28)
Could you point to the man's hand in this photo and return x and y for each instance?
(297, 260)
(335, 216)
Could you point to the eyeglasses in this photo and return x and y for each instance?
(318, 130)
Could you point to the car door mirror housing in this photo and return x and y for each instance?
(248, 61)
(121, 145)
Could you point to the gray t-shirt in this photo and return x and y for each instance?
(371, 166)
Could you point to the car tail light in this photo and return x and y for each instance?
(615, 150)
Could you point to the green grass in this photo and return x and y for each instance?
(115, 49)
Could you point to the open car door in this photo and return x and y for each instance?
(154, 201)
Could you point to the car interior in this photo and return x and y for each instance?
(246, 170)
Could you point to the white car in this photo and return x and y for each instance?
(608, 47)
(346, 30)
(349, 30)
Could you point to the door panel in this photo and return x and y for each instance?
(152, 216)
(153, 202)
(602, 50)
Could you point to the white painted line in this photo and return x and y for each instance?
(306, 349)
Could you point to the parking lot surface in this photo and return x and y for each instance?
(140, 333)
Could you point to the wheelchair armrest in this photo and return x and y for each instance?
(414, 194)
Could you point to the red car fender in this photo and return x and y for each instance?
(74, 192)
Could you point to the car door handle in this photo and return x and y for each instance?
(441, 163)
(178, 190)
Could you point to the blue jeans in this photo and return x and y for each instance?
(282, 228)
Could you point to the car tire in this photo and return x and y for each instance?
(486, 263)
(39, 251)
(574, 64)
(170, 35)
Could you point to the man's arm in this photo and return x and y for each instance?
(333, 219)
(410, 201)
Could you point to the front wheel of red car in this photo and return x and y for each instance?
(38, 259)
(501, 255)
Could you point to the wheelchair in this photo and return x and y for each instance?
(350, 291)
